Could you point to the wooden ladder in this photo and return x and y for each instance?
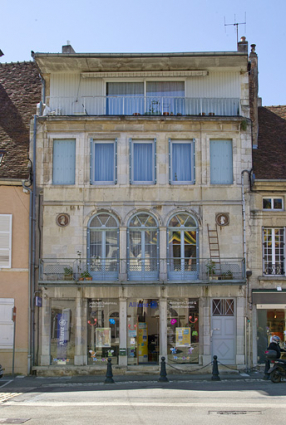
(214, 249)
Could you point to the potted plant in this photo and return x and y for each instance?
(85, 276)
(211, 267)
(68, 273)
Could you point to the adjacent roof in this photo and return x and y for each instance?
(20, 91)
(269, 159)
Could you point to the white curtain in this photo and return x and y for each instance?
(181, 162)
(104, 162)
(142, 162)
(125, 98)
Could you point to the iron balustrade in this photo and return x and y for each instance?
(141, 105)
(173, 269)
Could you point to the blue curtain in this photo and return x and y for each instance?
(142, 162)
(104, 162)
(181, 162)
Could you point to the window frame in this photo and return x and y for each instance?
(153, 142)
(210, 163)
(55, 140)
(94, 182)
(272, 199)
(7, 240)
(193, 161)
(277, 264)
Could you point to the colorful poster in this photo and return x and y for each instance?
(103, 337)
(143, 342)
(183, 337)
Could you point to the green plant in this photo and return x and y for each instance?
(68, 271)
(210, 266)
(85, 274)
(243, 125)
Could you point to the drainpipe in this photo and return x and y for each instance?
(32, 293)
(246, 323)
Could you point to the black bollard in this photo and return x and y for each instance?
(266, 369)
(109, 374)
(163, 373)
(215, 376)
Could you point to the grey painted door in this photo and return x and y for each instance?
(223, 330)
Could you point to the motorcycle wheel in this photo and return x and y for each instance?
(275, 377)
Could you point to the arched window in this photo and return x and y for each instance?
(143, 247)
(182, 247)
(102, 247)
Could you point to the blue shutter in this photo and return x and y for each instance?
(155, 161)
(170, 159)
(194, 161)
(91, 162)
(115, 161)
(130, 159)
(221, 162)
(64, 162)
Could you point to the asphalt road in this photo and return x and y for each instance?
(190, 402)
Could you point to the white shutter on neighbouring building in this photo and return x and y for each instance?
(5, 240)
(6, 322)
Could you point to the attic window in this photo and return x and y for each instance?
(2, 154)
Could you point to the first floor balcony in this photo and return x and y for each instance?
(61, 271)
(142, 106)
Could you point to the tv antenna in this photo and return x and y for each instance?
(235, 24)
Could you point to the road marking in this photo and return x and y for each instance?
(6, 396)
(8, 382)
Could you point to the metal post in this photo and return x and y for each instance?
(109, 374)
(215, 376)
(163, 373)
(14, 338)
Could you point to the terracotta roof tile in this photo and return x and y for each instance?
(20, 91)
(269, 160)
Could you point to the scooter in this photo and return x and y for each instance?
(1, 371)
(278, 371)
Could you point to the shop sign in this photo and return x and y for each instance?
(122, 352)
(152, 304)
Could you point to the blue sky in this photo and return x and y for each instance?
(150, 26)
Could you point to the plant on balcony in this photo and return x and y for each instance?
(228, 275)
(85, 276)
(68, 273)
(211, 267)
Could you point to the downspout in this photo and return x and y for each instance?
(246, 346)
(32, 340)
(29, 272)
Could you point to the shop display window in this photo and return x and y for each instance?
(269, 323)
(102, 331)
(142, 331)
(62, 332)
(183, 331)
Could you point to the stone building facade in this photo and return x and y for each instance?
(140, 193)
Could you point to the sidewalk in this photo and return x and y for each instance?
(20, 382)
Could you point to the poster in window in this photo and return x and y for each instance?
(183, 337)
(103, 337)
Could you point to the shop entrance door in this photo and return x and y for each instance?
(143, 332)
(223, 330)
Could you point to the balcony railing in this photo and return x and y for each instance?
(277, 269)
(67, 270)
(141, 105)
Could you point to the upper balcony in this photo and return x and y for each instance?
(141, 106)
(173, 270)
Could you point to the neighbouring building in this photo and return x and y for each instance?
(141, 191)
(20, 91)
(267, 292)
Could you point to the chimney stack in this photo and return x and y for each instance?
(253, 94)
(67, 48)
(242, 45)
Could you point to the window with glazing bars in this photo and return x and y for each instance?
(223, 307)
(274, 251)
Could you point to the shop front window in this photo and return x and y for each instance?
(269, 323)
(183, 331)
(102, 331)
(62, 332)
(143, 331)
